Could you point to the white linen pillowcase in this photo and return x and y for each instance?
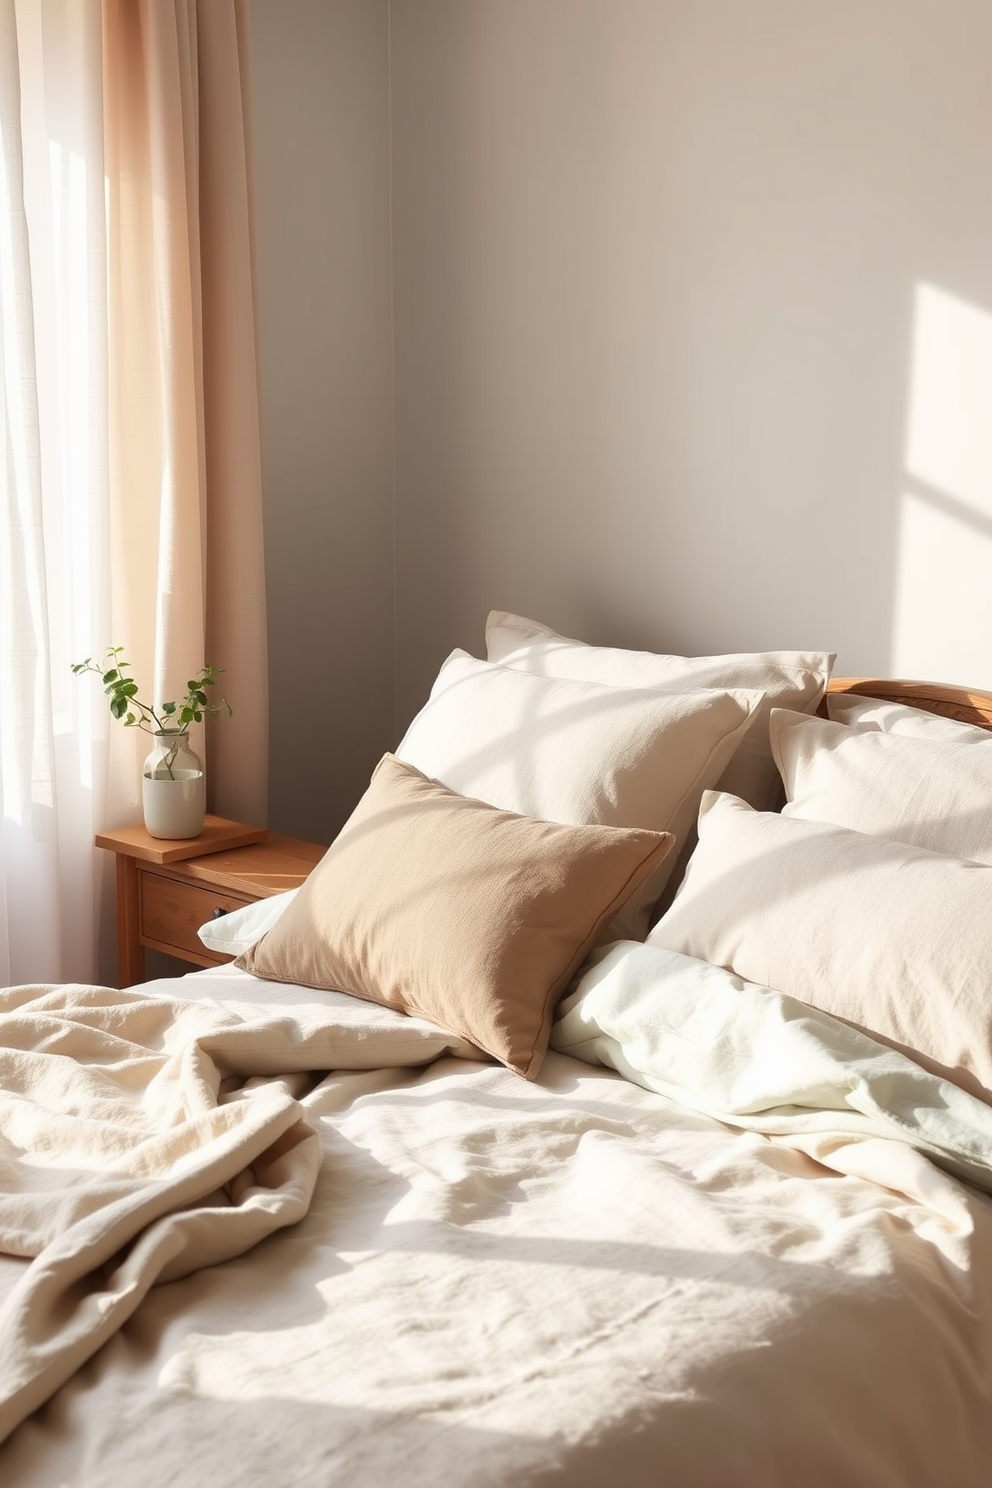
(934, 791)
(232, 933)
(900, 718)
(788, 679)
(579, 753)
(892, 938)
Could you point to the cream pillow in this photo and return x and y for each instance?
(899, 718)
(891, 938)
(578, 752)
(438, 905)
(233, 933)
(931, 792)
(788, 679)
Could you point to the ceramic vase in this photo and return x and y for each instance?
(173, 789)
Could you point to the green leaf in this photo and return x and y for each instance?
(120, 690)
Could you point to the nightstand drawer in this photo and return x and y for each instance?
(166, 890)
(171, 913)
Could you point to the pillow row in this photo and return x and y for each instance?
(526, 815)
(830, 774)
(434, 928)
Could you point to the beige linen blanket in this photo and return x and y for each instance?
(576, 1280)
(137, 1144)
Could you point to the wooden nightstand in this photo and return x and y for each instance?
(166, 890)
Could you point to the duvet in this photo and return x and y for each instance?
(254, 1234)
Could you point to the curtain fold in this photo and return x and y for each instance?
(130, 495)
(157, 472)
(235, 620)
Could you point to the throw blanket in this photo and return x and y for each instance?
(761, 1061)
(144, 1136)
(138, 1143)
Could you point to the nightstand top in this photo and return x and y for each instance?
(218, 835)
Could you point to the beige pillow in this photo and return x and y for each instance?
(931, 792)
(473, 918)
(899, 718)
(578, 752)
(788, 679)
(891, 938)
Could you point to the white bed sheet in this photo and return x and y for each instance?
(573, 1281)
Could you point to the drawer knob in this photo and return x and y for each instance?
(219, 913)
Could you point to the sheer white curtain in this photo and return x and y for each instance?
(130, 435)
(54, 779)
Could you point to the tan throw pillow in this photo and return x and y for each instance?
(931, 791)
(471, 917)
(891, 938)
(788, 679)
(578, 752)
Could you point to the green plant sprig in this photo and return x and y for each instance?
(125, 704)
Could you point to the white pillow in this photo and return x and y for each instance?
(934, 792)
(233, 933)
(578, 752)
(899, 718)
(892, 938)
(788, 679)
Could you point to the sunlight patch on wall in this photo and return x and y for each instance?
(949, 442)
(943, 614)
(943, 627)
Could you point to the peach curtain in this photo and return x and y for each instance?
(185, 467)
(130, 484)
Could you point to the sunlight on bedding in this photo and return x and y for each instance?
(418, 1360)
(943, 601)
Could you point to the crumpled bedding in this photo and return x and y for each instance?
(137, 1144)
(760, 1060)
(577, 1281)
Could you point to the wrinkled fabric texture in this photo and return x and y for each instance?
(135, 1147)
(762, 1061)
(573, 1280)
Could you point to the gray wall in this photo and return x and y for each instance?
(691, 323)
(321, 134)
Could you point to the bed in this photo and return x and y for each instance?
(651, 1142)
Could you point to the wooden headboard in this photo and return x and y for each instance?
(966, 704)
